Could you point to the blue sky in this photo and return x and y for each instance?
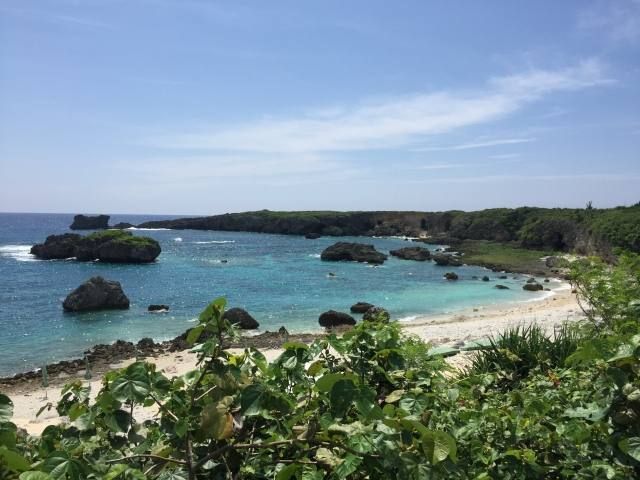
(197, 107)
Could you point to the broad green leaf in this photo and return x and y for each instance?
(6, 408)
(438, 446)
(194, 334)
(326, 382)
(61, 466)
(631, 446)
(13, 460)
(33, 475)
(132, 385)
(288, 472)
(394, 396)
(342, 395)
(592, 412)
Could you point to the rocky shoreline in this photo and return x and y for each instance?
(101, 357)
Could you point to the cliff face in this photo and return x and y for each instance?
(592, 231)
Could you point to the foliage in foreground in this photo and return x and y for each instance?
(371, 404)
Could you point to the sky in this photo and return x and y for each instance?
(203, 107)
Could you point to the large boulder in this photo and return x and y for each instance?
(451, 276)
(419, 254)
(332, 318)
(501, 287)
(159, 308)
(85, 222)
(361, 307)
(444, 259)
(96, 294)
(532, 287)
(57, 247)
(355, 252)
(241, 318)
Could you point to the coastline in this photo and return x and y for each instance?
(453, 328)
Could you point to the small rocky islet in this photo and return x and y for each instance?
(111, 246)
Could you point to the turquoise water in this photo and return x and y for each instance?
(279, 279)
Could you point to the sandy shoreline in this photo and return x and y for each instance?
(442, 329)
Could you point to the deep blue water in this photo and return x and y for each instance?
(279, 279)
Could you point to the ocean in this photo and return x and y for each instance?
(279, 279)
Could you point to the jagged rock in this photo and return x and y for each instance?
(312, 236)
(444, 259)
(332, 318)
(485, 279)
(357, 252)
(532, 287)
(532, 280)
(146, 344)
(86, 222)
(503, 277)
(158, 308)
(419, 254)
(451, 276)
(332, 231)
(123, 225)
(57, 247)
(241, 318)
(114, 246)
(501, 287)
(361, 307)
(96, 294)
(376, 314)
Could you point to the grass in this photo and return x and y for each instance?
(503, 256)
(121, 237)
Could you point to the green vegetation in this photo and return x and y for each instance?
(122, 237)
(501, 256)
(368, 405)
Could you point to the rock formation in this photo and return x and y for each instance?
(376, 314)
(241, 318)
(451, 276)
(113, 246)
(332, 318)
(361, 307)
(419, 254)
(96, 294)
(85, 222)
(444, 259)
(532, 287)
(356, 252)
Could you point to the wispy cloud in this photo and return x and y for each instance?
(469, 146)
(505, 156)
(396, 122)
(618, 20)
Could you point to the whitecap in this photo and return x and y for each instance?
(314, 255)
(410, 318)
(148, 229)
(177, 239)
(21, 253)
(215, 241)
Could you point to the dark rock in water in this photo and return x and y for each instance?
(114, 246)
(419, 254)
(57, 247)
(532, 287)
(474, 277)
(312, 236)
(158, 308)
(356, 252)
(332, 318)
(123, 225)
(224, 260)
(86, 222)
(96, 294)
(501, 287)
(485, 279)
(146, 344)
(502, 277)
(532, 280)
(376, 314)
(443, 260)
(546, 280)
(361, 307)
(241, 318)
(451, 276)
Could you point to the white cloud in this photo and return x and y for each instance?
(618, 20)
(472, 145)
(390, 122)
